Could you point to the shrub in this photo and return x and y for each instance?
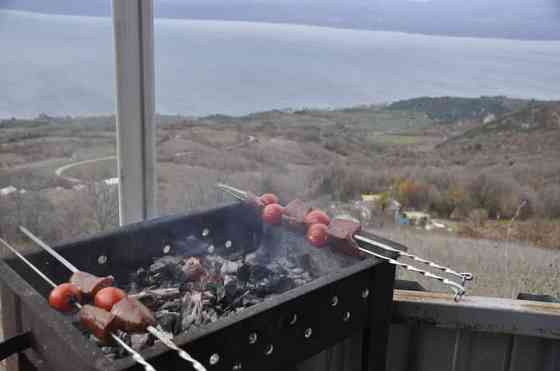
(550, 200)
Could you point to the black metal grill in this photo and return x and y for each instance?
(277, 333)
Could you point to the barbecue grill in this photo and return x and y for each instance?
(279, 332)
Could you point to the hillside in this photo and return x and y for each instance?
(534, 128)
(450, 109)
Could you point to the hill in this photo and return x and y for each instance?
(451, 109)
(533, 128)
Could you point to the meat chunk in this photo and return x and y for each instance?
(295, 212)
(98, 321)
(193, 270)
(90, 284)
(342, 231)
(132, 316)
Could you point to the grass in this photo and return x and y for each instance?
(501, 269)
(392, 139)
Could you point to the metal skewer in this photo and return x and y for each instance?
(135, 355)
(161, 336)
(464, 276)
(458, 289)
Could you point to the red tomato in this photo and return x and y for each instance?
(272, 214)
(63, 295)
(317, 235)
(317, 216)
(107, 297)
(269, 198)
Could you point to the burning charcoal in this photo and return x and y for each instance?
(193, 270)
(192, 310)
(230, 267)
(168, 321)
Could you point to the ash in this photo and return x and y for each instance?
(197, 286)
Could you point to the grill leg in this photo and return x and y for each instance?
(11, 323)
(376, 337)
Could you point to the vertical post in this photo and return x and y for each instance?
(133, 27)
(376, 337)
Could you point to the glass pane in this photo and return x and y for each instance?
(431, 122)
(57, 131)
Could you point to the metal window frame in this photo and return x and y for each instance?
(133, 32)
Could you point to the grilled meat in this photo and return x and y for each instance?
(98, 321)
(132, 316)
(90, 284)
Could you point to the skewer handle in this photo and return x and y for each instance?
(457, 289)
(463, 276)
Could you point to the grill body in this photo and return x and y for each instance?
(363, 306)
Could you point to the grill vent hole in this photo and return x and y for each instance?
(253, 337)
(293, 319)
(365, 293)
(102, 259)
(205, 232)
(308, 332)
(214, 358)
(228, 244)
(346, 317)
(166, 248)
(237, 366)
(334, 301)
(269, 349)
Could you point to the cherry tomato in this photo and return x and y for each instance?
(107, 297)
(317, 235)
(269, 198)
(63, 295)
(317, 216)
(272, 214)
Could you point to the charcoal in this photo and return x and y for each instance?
(168, 268)
(172, 306)
(192, 310)
(259, 272)
(230, 267)
(244, 272)
(168, 320)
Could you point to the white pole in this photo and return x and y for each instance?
(133, 26)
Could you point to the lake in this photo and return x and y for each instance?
(63, 65)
